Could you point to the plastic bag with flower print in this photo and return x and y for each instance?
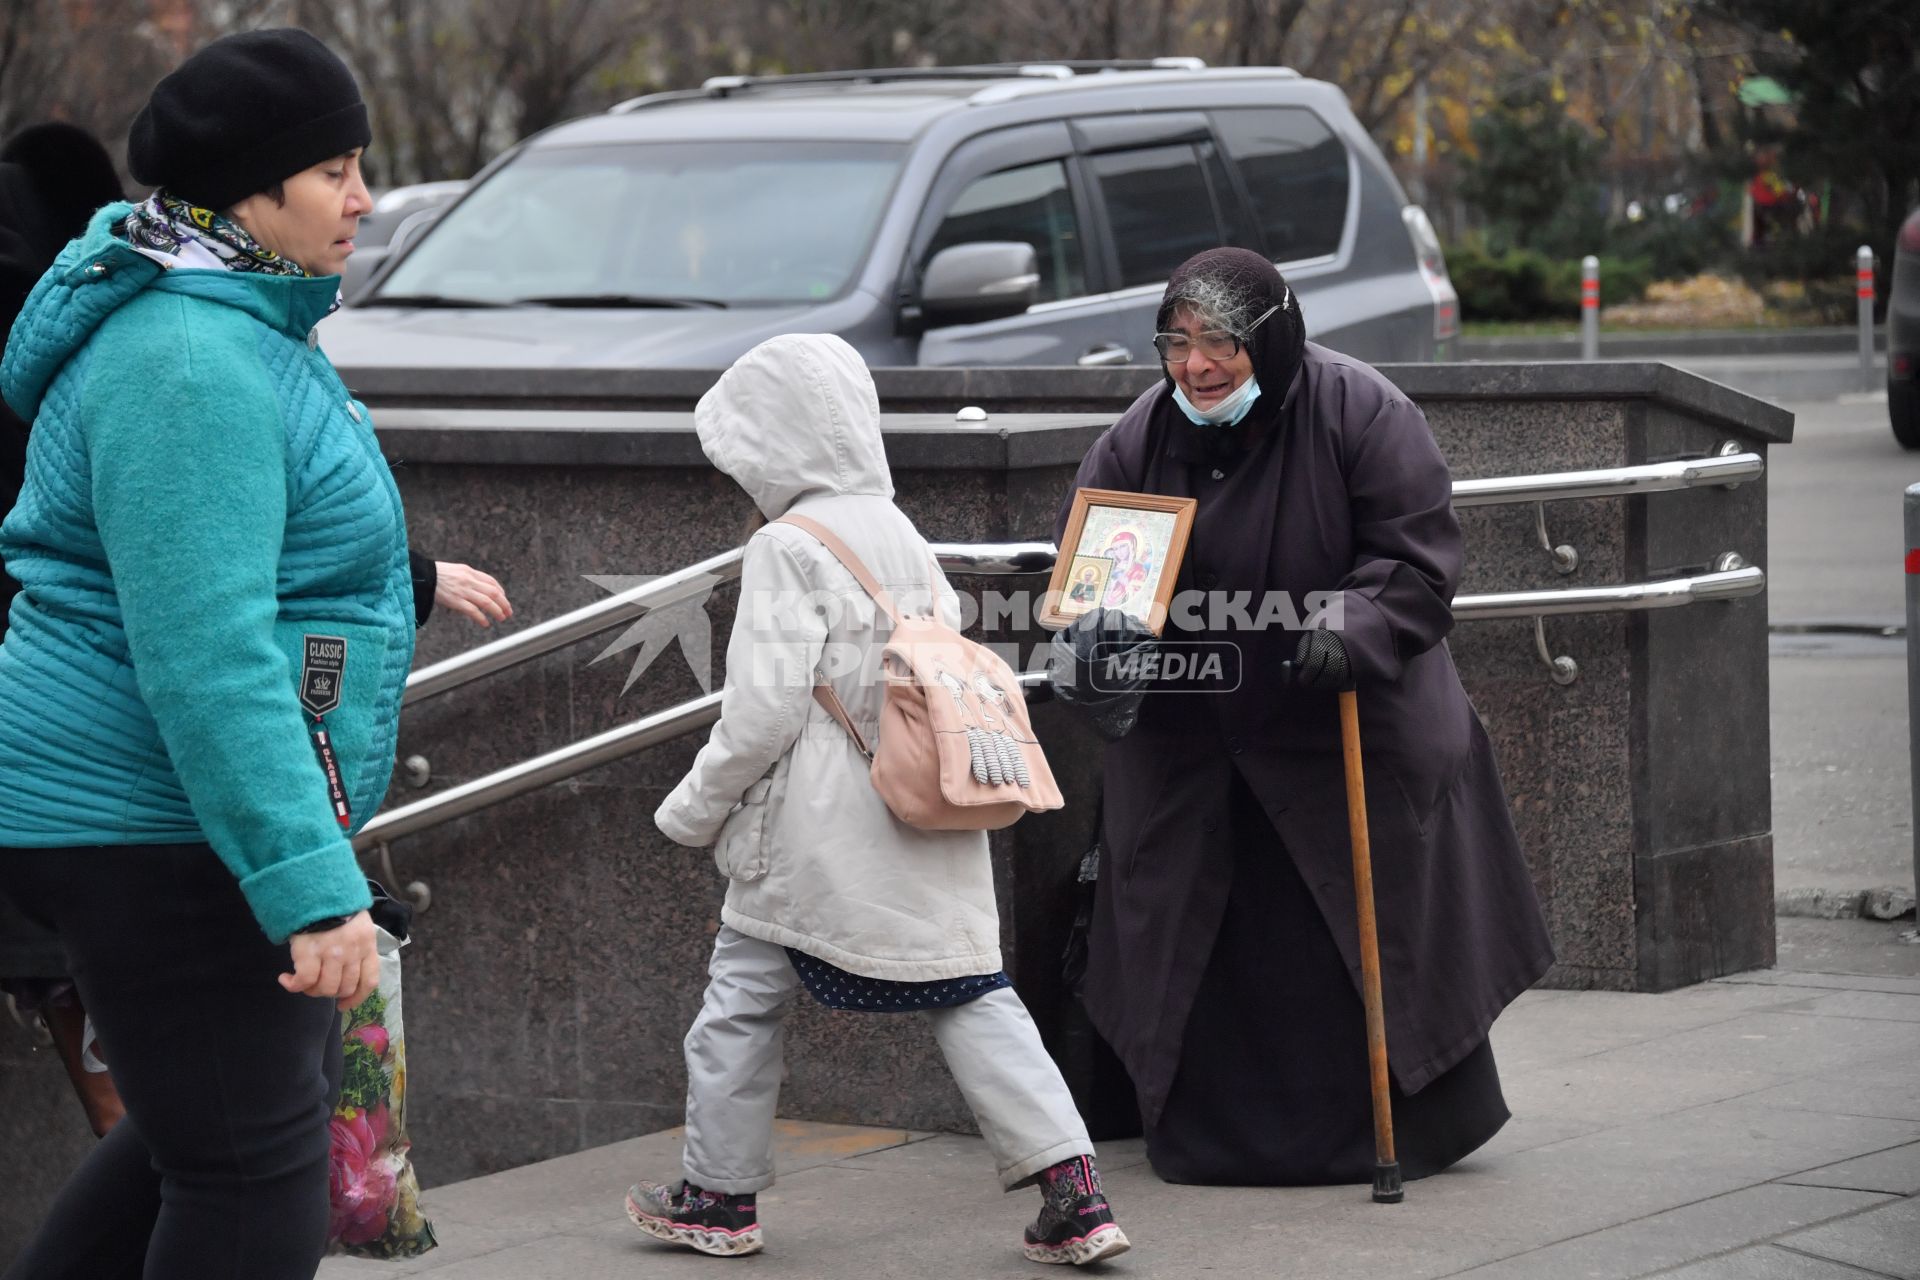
(374, 1194)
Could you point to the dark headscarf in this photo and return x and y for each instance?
(1234, 286)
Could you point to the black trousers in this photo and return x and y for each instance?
(219, 1171)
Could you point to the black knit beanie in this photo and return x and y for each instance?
(244, 113)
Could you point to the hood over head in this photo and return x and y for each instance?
(796, 417)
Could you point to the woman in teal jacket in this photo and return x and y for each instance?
(201, 687)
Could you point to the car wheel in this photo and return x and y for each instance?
(1903, 409)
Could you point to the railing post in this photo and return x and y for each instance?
(1913, 669)
(1589, 308)
(1863, 277)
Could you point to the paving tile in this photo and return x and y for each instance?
(1879, 1005)
(1822, 981)
(1896, 1172)
(1886, 1240)
(1678, 1236)
(1605, 1090)
(1888, 1087)
(1774, 1043)
(587, 1187)
(459, 1242)
(1765, 1263)
(1589, 1022)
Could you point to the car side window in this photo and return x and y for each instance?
(1031, 204)
(1296, 173)
(1158, 208)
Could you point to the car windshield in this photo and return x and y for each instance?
(729, 223)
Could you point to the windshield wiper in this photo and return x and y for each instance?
(634, 300)
(425, 300)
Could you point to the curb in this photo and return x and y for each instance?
(1844, 904)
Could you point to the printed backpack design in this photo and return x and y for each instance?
(957, 750)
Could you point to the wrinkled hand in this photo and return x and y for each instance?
(473, 595)
(1320, 663)
(342, 965)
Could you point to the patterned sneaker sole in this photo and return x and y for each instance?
(1104, 1242)
(708, 1240)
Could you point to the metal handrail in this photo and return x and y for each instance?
(1731, 580)
(570, 628)
(530, 775)
(1731, 583)
(1033, 557)
(1610, 482)
(555, 766)
(672, 589)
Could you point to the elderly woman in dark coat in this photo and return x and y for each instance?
(1224, 957)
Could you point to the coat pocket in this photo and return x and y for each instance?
(741, 850)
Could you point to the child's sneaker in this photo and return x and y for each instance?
(710, 1221)
(1076, 1224)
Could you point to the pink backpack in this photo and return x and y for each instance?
(956, 751)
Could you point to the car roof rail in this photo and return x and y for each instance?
(1146, 68)
(721, 86)
(1050, 71)
(655, 100)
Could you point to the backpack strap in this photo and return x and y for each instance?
(830, 701)
(844, 554)
(822, 691)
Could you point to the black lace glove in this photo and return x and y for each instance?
(1320, 663)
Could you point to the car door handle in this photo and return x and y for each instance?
(1111, 353)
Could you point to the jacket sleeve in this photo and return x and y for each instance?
(426, 577)
(778, 635)
(1397, 599)
(189, 491)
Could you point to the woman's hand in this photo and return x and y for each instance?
(342, 965)
(473, 595)
(1320, 663)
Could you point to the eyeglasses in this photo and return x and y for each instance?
(1214, 344)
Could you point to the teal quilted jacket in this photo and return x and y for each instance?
(206, 512)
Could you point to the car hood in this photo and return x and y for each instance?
(552, 337)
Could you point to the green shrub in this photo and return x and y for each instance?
(1520, 284)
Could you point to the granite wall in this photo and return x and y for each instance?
(564, 953)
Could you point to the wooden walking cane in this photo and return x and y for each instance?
(1386, 1169)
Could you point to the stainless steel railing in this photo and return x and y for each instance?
(1730, 467)
(1726, 468)
(1730, 579)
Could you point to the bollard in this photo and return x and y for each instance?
(1863, 278)
(1913, 670)
(1589, 308)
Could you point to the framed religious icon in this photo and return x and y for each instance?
(1122, 551)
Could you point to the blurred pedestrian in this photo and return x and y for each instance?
(52, 177)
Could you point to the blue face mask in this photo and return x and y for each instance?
(1228, 412)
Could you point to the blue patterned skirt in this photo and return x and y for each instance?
(837, 989)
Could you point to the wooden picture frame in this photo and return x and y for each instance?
(1122, 551)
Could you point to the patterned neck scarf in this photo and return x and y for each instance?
(177, 234)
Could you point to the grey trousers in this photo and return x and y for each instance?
(734, 1070)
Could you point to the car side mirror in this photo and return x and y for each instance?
(983, 280)
(409, 230)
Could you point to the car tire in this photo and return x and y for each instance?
(1903, 411)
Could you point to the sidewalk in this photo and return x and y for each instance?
(1762, 1127)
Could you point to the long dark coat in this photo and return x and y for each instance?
(1345, 490)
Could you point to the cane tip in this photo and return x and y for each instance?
(1386, 1184)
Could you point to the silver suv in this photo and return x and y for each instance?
(991, 215)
